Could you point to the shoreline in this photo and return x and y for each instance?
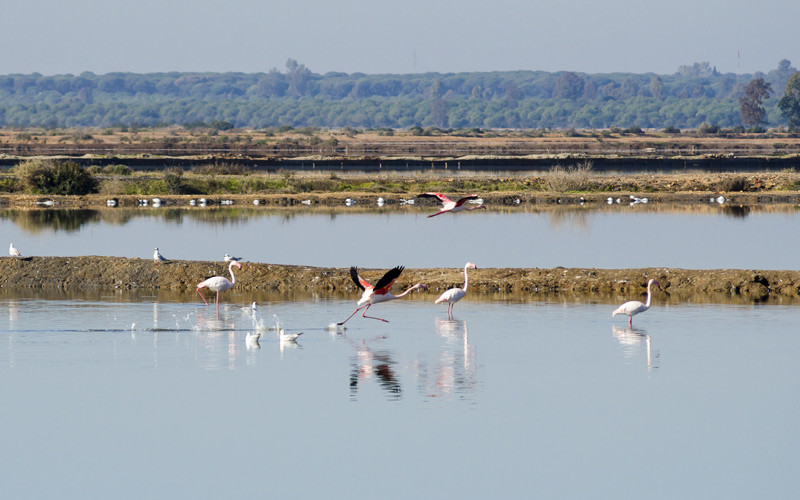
(92, 273)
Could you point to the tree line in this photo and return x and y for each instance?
(694, 95)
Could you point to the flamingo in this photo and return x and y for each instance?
(158, 257)
(634, 307)
(455, 294)
(379, 292)
(219, 283)
(449, 205)
(12, 251)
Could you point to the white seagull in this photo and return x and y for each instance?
(288, 337)
(12, 251)
(158, 258)
(634, 307)
(455, 294)
(228, 258)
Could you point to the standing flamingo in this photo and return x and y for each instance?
(449, 205)
(219, 283)
(158, 258)
(379, 292)
(455, 294)
(634, 307)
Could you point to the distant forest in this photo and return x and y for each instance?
(694, 95)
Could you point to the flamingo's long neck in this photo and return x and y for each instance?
(233, 276)
(411, 289)
(649, 294)
(466, 279)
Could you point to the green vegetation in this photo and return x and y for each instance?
(55, 177)
(790, 102)
(751, 105)
(299, 98)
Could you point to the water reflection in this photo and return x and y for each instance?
(35, 221)
(736, 211)
(368, 364)
(455, 369)
(632, 340)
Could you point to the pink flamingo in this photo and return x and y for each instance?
(455, 294)
(379, 292)
(453, 206)
(219, 283)
(634, 307)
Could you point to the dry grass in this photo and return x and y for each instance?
(571, 178)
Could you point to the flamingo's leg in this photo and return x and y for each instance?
(438, 213)
(630, 320)
(354, 313)
(201, 296)
(363, 315)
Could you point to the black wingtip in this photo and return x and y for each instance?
(354, 277)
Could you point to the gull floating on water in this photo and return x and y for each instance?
(228, 258)
(288, 337)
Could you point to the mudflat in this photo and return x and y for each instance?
(677, 285)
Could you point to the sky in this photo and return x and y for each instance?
(411, 36)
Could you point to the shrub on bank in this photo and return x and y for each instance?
(54, 177)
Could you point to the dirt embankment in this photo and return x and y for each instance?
(110, 273)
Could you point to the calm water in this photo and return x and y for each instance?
(615, 237)
(109, 399)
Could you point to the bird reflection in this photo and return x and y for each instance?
(251, 341)
(368, 364)
(631, 339)
(456, 368)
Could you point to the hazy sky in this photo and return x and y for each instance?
(101, 36)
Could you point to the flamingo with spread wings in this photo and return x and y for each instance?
(379, 292)
(449, 205)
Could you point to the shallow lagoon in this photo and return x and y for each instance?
(604, 237)
(522, 399)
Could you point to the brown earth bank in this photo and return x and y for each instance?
(68, 275)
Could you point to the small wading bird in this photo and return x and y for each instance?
(449, 205)
(219, 283)
(158, 258)
(634, 307)
(455, 294)
(379, 292)
(12, 251)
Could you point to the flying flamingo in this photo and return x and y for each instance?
(379, 292)
(12, 251)
(219, 283)
(158, 258)
(449, 205)
(455, 294)
(634, 307)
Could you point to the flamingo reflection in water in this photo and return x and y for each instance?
(369, 364)
(631, 338)
(455, 370)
